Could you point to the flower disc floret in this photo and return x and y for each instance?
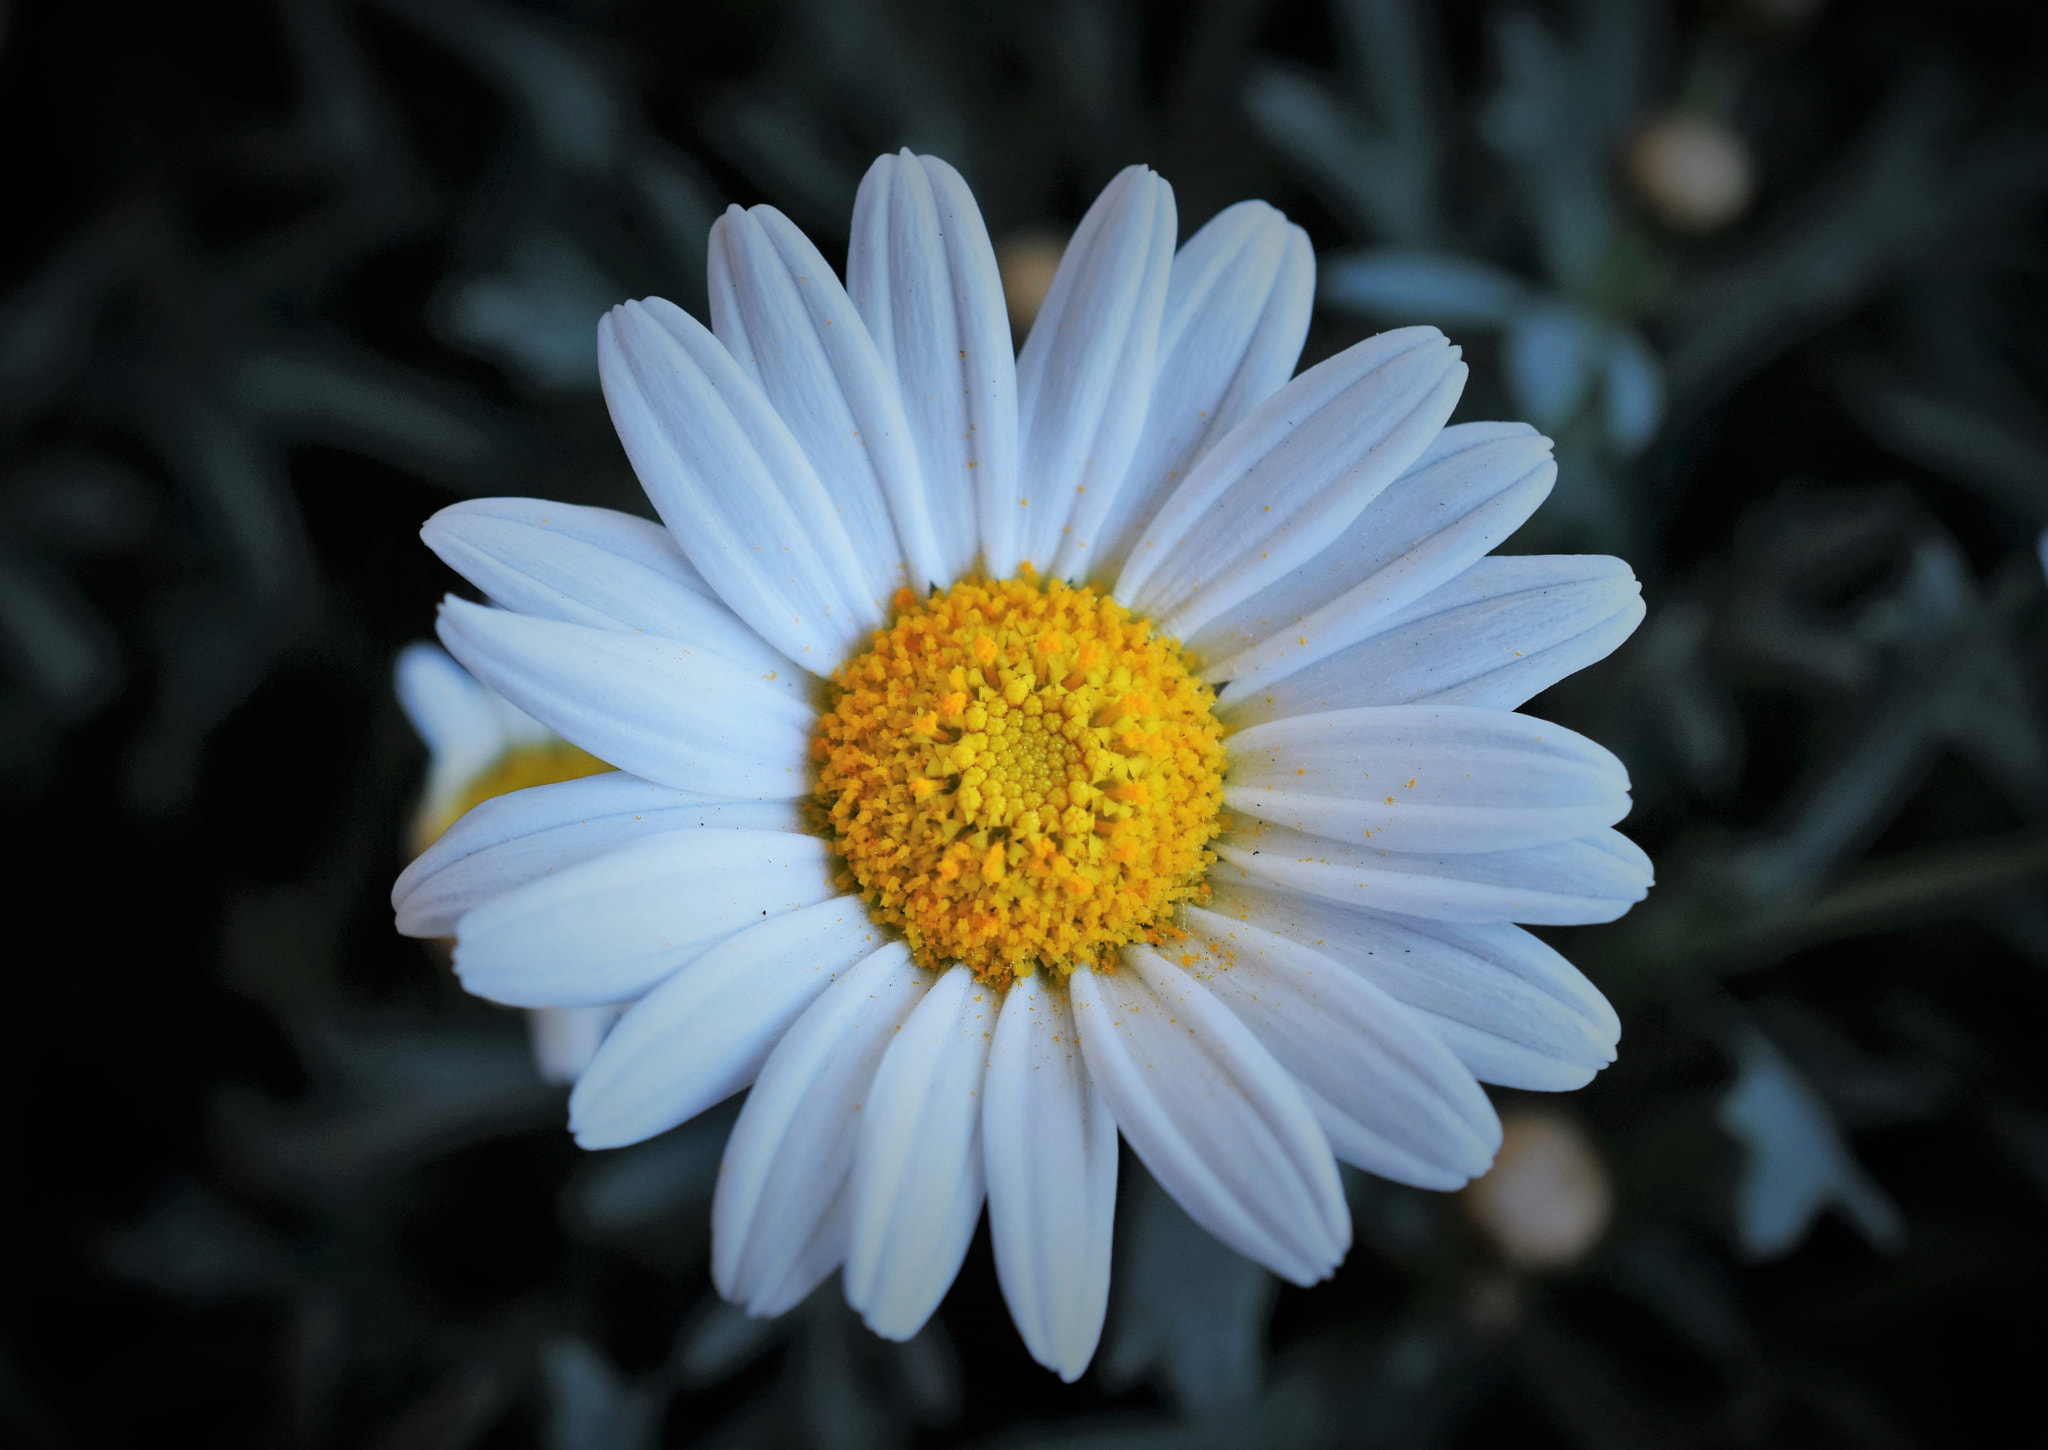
(1020, 775)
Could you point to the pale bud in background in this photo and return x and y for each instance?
(1028, 261)
(1547, 1198)
(479, 746)
(1694, 173)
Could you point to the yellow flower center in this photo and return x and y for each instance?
(1020, 775)
(544, 763)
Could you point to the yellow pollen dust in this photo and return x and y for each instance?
(1020, 775)
(544, 763)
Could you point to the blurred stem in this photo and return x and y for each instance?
(1697, 932)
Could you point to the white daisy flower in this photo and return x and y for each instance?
(1016, 752)
(480, 745)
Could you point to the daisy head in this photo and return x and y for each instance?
(1018, 750)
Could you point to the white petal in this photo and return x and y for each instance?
(564, 1039)
(584, 577)
(1237, 310)
(1294, 474)
(1393, 1098)
(920, 270)
(733, 485)
(637, 541)
(453, 716)
(519, 727)
(1426, 778)
(703, 1034)
(1219, 1123)
(917, 1177)
(780, 311)
(1565, 883)
(1503, 631)
(446, 707)
(1474, 486)
(607, 930)
(512, 839)
(778, 1223)
(1050, 1144)
(1514, 1011)
(1085, 375)
(655, 707)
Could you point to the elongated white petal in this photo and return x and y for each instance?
(1393, 1098)
(628, 537)
(781, 313)
(1564, 883)
(1430, 778)
(512, 839)
(1237, 310)
(1295, 473)
(656, 707)
(452, 714)
(917, 1177)
(921, 272)
(519, 727)
(599, 577)
(778, 1221)
(1219, 1123)
(564, 1039)
(734, 486)
(608, 929)
(1503, 631)
(446, 707)
(703, 1034)
(1475, 485)
(1514, 1011)
(1084, 378)
(1050, 1144)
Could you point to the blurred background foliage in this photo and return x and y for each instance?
(284, 276)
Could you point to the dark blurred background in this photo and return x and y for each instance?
(282, 277)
